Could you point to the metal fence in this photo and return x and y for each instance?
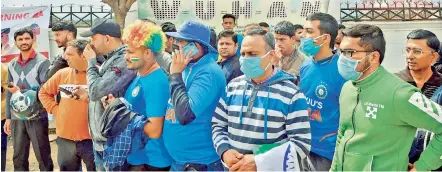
(391, 11)
(80, 15)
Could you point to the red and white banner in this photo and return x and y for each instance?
(14, 18)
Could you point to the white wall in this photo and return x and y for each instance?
(395, 34)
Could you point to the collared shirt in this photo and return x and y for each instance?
(20, 58)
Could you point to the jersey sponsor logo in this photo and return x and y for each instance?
(423, 103)
(314, 115)
(314, 103)
(372, 109)
(135, 91)
(321, 91)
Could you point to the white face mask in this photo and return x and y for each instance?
(347, 67)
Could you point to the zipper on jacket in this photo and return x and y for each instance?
(353, 125)
(252, 98)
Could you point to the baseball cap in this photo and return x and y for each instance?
(103, 26)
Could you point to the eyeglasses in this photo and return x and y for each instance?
(415, 52)
(350, 53)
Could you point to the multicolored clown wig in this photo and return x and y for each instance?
(145, 34)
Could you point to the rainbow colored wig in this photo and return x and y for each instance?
(145, 34)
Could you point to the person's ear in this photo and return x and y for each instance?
(170, 40)
(434, 57)
(274, 60)
(71, 36)
(293, 38)
(146, 53)
(326, 38)
(82, 57)
(107, 39)
(376, 58)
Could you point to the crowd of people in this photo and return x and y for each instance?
(152, 97)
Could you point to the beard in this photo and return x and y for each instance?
(96, 50)
(22, 48)
(62, 43)
(366, 64)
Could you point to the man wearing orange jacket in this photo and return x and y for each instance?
(74, 141)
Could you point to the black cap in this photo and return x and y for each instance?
(105, 27)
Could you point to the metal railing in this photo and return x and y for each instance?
(391, 11)
(80, 15)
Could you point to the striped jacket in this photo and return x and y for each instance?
(272, 112)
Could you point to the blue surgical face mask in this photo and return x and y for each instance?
(251, 66)
(347, 67)
(188, 47)
(308, 46)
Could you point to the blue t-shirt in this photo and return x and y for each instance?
(321, 83)
(148, 95)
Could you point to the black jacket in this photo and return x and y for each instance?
(115, 119)
(231, 68)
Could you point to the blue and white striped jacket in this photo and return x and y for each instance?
(272, 112)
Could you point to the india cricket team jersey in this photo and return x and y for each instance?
(148, 95)
(321, 84)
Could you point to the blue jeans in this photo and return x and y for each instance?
(99, 162)
(215, 166)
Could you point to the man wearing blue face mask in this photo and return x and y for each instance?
(321, 83)
(262, 108)
(380, 113)
(196, 84)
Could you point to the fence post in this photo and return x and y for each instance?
(91, 15)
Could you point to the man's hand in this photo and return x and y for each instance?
(247, 163)
(231, 157)
(80, 93)
(89, 53)
(7, 127)
(12, 88)
(106, 100)
(411, 167)
(179, 61)
(279, 56)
